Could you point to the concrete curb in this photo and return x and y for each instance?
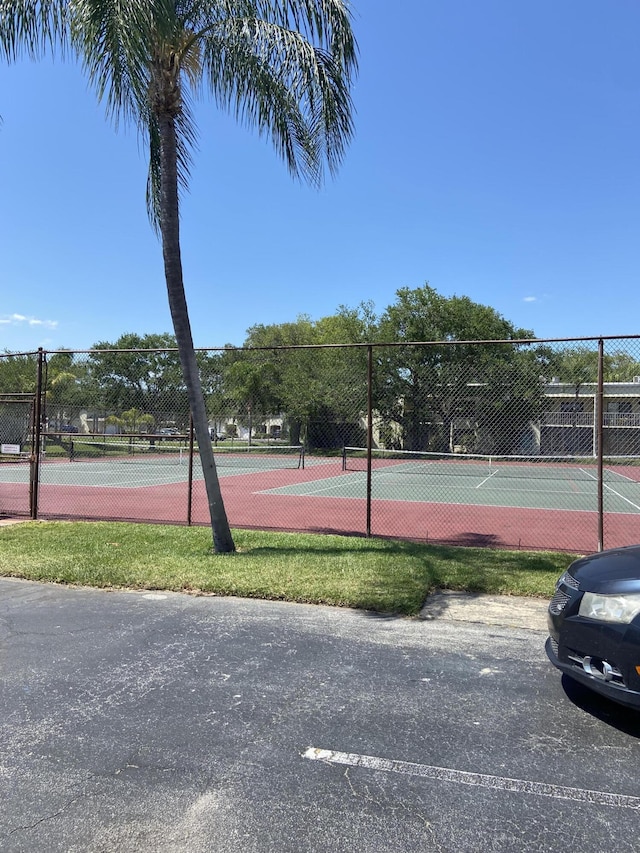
(509, 611)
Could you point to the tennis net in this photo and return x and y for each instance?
(127, 452)
(409, 462)
(255, 457)
(260, 456)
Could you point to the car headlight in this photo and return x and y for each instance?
(610, 608)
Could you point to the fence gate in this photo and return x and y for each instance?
(18, 454)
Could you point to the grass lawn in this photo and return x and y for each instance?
(384, 575)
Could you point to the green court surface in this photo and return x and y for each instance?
(141, 471)
(523, 487)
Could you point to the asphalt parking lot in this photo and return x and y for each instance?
(135, 721)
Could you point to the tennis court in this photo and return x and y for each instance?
(484, 501)
(471, 501)
(138, 465)
(480, 481)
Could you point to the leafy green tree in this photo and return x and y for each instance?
(140, 372)
(18, 377)
(283, 67)
(620, 366)
(340, 416)
(263, 357)
(18, 373)
(250, 384)
(578, 365)
(135, 420)
(427, 394)
(210, 365)
(62, 380)
(315, 378)
(65, 383)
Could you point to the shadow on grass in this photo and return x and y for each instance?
(470, 540)
(425, 568)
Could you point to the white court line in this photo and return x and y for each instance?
(281, 490)
(622, 497)
(622, 476)
(316, 487)
(613, 491)
(462, 777)
(331, 485)
(486, 479)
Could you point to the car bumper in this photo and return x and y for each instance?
(603, 656)
(594, 676)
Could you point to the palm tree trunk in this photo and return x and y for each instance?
(170, 231)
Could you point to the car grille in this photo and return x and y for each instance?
(558, 602)
(569, 580)
(554, 646)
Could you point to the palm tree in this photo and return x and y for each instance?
(283, 67)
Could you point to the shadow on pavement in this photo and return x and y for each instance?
(624, 719)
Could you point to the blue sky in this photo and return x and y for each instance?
(496, 156)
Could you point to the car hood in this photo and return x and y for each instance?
(609, 572)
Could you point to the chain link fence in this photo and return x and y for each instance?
(497, 443)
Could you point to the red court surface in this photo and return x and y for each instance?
(250, 505)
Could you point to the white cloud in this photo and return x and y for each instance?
(530, 299)
(20, 319)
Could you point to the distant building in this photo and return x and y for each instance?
(569, 425)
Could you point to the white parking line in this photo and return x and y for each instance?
(461, 777)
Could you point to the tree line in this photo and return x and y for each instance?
(432, 387)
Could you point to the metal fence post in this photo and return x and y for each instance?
(369, 431)
(600, 442)
(34, 473)
(190, 475)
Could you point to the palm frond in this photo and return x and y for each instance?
(114, 38)
(283, 67)
(272, 78)
(32, 26)
(324, 22)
